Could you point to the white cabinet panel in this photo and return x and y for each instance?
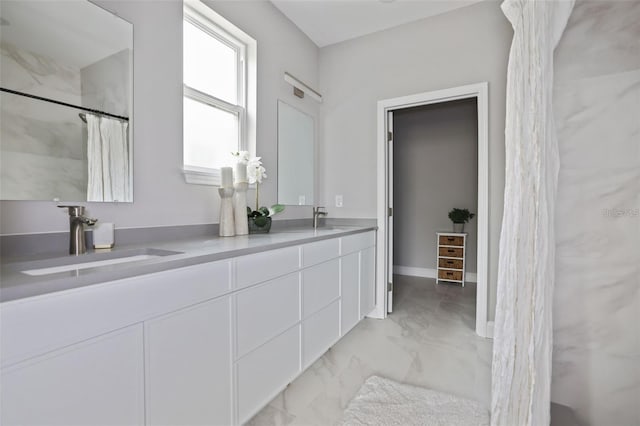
(260, 267)
(350, 291)
(37, 325)
(97, 382)
(189, 366)
(357, 242)
(320, 251)
(319, 332)
(320, 286)
(266, 371)
(367, 281)
(266, 310)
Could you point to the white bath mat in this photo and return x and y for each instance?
(385, 402)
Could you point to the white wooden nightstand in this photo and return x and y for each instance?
(451, 254)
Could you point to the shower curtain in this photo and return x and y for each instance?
(521, 370)
(109, 174)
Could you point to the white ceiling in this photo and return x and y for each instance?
(332, 21)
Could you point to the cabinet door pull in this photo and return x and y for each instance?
(451, 251)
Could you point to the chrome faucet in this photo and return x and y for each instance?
(77, 220)
(317, 212)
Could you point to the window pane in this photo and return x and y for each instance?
(210, 135)
(209, 65)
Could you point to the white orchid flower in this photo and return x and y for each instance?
(255, 172)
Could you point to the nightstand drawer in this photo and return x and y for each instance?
(451, 240)
(450, 275)
(451, 252)
(450, 263)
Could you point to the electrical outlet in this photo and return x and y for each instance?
(338, 200)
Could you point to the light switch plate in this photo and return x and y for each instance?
(338, 200)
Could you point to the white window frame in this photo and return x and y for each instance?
(222, 30)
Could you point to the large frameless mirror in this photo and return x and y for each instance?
(296, 156)
(66, 71)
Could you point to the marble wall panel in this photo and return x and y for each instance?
(106, 84)
(596, 358)
(41, 177)
(43, 144)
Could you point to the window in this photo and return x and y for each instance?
(219, 93)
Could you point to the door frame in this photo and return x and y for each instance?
(480, 92)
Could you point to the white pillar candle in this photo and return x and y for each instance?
(227, 177)
(241, 172)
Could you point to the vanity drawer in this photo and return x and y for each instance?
(33, 326)
(451, 252)
(319, 332)
(450, 263)
(263, 373)
(320, 286)
(320, 251)
(357, 242)
(266, 310)
(260, 267)
(451, 240)
(450, 275)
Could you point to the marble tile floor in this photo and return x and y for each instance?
(428, 340)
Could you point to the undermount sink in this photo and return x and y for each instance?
(92, 260)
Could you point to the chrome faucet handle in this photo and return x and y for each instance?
(88, 221)
(78, 212)
(316, 210)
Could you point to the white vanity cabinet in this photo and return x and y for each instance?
(99, 381)
(367, 281)
(350, 291)
(208, 344)
(357, 279)
(267, 339)
(188, 366)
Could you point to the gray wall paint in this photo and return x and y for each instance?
(596, 312)
(161, 195)
(468, 45)
(435, 155)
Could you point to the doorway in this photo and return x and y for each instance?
(384, 275)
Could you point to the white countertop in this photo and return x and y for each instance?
(16, 285)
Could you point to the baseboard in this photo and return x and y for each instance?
(412, 271)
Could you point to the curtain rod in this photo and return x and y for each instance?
(40, 98)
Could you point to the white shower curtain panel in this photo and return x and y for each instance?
(521, 373)
(109, 174)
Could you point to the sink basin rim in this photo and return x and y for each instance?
(90, 260)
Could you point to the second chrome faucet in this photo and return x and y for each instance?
(317, 211)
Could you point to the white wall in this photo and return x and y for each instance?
(160, 195)
(435, 156)
(468, 45)
(596, 312)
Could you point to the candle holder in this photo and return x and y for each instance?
(227, 222)
(240, 208)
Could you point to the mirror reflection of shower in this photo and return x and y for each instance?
(48, 77)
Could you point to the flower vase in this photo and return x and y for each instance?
(227, 222)
(255, 228)
(458, 227)
(240, 208)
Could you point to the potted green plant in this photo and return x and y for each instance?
(459, 217)
(260, 218)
